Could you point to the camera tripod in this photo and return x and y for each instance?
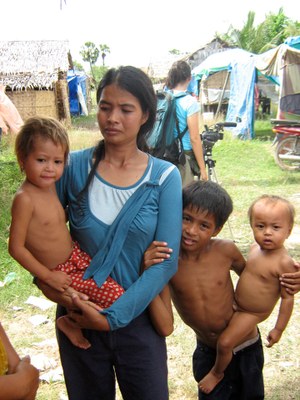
(212, 176)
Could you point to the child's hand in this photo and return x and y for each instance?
(58, 280)
(28, 376)
(273, 337)
(156, 253)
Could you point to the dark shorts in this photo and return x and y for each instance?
(243, 378)
(134, 355)
(193, 163)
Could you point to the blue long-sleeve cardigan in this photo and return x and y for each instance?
(153, 212)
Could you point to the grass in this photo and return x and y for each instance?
(246, 169)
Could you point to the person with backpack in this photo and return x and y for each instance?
(188, 111)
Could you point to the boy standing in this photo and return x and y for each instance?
(258, 289)
(203, 293)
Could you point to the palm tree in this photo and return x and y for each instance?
(90, 53)
(270, 33)
(104, 49)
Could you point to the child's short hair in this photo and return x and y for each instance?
(208, 196)
(273, 199)
(44, 127)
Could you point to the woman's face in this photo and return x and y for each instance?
(120, 115)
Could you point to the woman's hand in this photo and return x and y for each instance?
(156, 253)
(62, 298)
(291, 281)
(88, 317)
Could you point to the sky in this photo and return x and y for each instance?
(137, 32)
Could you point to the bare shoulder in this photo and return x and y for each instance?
(226, 246)
(232, 254)
(287, 264)
(22, 199)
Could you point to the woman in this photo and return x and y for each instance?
(119, 200)
(188, 110)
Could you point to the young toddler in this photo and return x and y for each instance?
(39, 237)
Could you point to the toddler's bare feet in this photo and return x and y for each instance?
(210, 381)
(73, 333)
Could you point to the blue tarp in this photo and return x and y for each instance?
(283, 63)
(293, 42)
(77, 82)
(242, 69)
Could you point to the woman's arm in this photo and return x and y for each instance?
(143, 290)
(193, 126)
(62, 298)
(80, 310)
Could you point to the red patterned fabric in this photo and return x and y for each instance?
(76, 266)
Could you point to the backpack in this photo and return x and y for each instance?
(161, 140)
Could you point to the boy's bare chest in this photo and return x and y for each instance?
(205, 277)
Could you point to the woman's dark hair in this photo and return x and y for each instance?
(136, 82)
(210, 197)
(179, 72)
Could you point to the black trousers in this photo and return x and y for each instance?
(243, 378)
(134, 355)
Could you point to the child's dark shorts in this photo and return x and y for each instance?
(243, 378)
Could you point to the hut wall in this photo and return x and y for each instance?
(34, 102)
(63, 105)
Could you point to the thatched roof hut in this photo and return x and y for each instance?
(215, 46)
(34, 74)
(158, 69)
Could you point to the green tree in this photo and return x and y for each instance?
(241, 38)
(99, 72)
(104, 49)
(90, 53)
(271, 32)
(175, 52)
(292, 29)
(78, 66)
(258, 39)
